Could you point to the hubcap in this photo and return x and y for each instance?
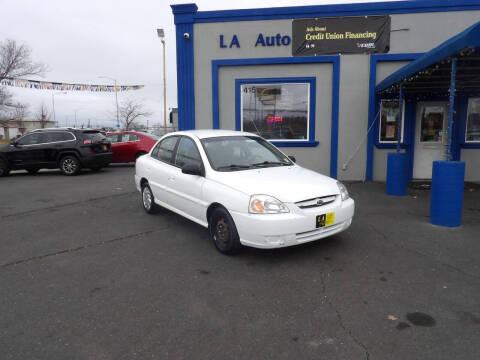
(221, 231)
(147, 198)
(69, 166)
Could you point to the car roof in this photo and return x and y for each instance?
(209, 133)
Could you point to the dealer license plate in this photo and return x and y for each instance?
(325, 219)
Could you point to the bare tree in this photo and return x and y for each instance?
(15, 62)
(130, 111)
(42, 115)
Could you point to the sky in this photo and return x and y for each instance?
(82, 40)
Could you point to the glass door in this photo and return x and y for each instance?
(430, 137)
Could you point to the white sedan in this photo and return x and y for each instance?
(242, 188)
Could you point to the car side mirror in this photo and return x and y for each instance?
(292, 158)
(14, 143)
(193, 169)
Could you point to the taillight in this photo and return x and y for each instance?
(86, 142)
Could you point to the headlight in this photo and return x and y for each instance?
(265, 204)
(343, 191)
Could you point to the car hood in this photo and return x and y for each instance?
(286, 183)
(4, 148)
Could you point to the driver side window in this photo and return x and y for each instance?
(187, 153)
(30, 139)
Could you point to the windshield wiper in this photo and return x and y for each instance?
(267, 163)
(234, 166)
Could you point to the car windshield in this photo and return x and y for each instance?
(234, 153)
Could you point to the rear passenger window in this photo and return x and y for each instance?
(164, 150)
(129, 137)
(187, 153)
(58, 136)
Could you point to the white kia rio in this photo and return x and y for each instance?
(242, 188)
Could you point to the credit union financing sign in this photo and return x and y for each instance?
(342, 35)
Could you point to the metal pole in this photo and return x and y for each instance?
(116, 100)
(164, 92)
(450, 110)
(399, 121)
(53, 105)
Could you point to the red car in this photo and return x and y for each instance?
(127, 146)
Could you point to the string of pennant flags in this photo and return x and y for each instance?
(46, 85)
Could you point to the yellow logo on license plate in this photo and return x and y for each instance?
(329, 219)
(104, 147)
(325, 219)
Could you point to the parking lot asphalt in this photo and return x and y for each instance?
(85, 273)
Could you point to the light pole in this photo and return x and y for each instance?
(53, 104)
(76, 118)
(161, 35)
(116, 97)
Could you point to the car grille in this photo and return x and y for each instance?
(314, 234)
(316, 202)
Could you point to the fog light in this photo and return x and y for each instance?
(279, 240)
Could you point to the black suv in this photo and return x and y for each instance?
(66, 148)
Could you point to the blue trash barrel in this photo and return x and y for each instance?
(446, 199)
(397, 174)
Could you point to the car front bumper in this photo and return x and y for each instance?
(269, 231)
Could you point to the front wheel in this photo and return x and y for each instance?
(69, 165)
(223, 232)
(148, 201)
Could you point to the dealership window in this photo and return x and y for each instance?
(389, 113)
(472, 133)
(277, 110)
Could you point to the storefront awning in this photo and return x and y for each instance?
(431, 72)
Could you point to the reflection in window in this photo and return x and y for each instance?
(473, 120)
(187, 153)
(432, 124)
(276, 111)
(112, 138)
(389, 113)
(31, 139)
(164, 149)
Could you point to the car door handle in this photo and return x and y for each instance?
(171, 178)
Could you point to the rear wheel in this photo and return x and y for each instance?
(223, 232)
(148, 201)
(69, 165)
(4, 170)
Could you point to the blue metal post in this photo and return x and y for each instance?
(450, 110)
(399, 121)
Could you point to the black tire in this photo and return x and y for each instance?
(33, 171)
(148, 201)
(223, 232)
(137, 155)
(4, 169)
(69, 165)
